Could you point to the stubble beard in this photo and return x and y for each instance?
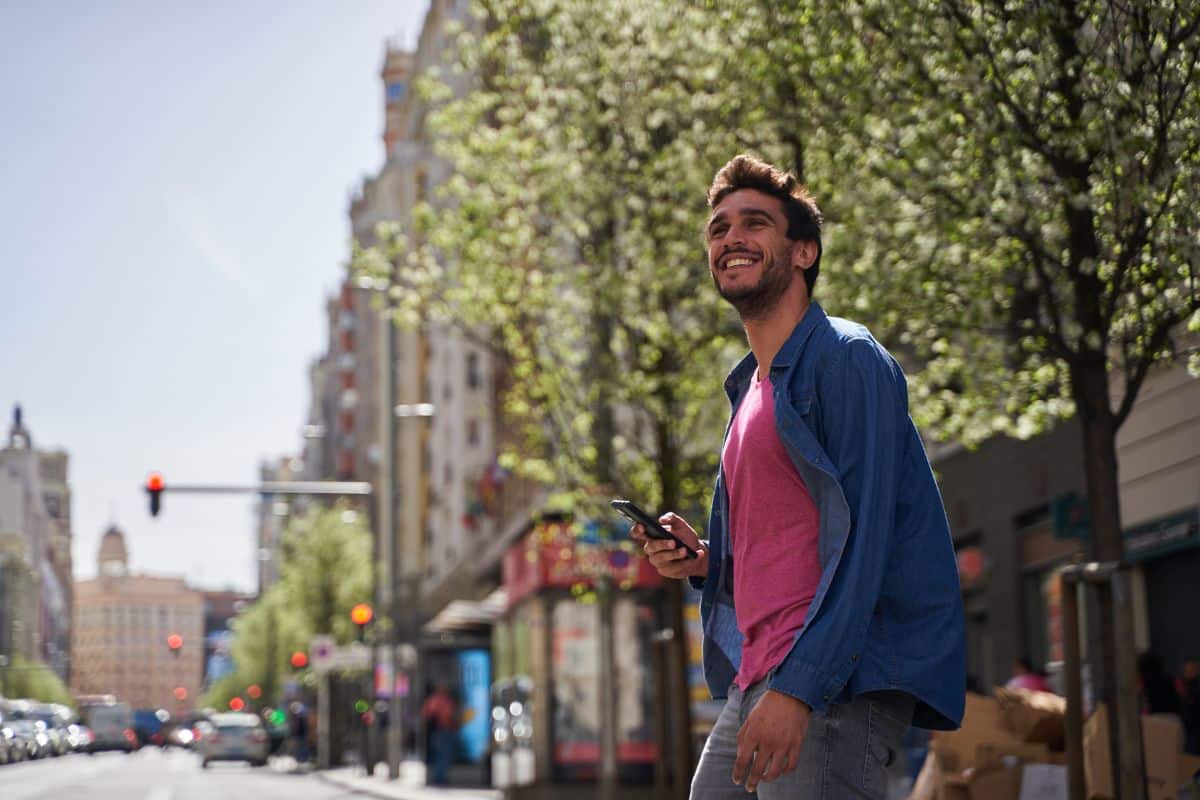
(754, 303)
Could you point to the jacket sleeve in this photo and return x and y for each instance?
(863, 404)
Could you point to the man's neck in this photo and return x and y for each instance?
(767, 335)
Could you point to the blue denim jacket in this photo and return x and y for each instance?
(887, 613)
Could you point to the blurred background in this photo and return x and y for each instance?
(329, 334)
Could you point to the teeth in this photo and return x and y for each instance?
(738, 262)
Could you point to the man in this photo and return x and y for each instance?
(440, 713)
(831, 604)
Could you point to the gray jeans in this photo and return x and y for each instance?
(846, 752)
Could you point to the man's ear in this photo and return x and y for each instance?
(804, 253)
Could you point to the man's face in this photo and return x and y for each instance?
(749, 254)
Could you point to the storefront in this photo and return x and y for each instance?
(1167, 554)
(546, 647)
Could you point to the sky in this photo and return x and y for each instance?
(174, 186)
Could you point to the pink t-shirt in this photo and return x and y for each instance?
(773, 523)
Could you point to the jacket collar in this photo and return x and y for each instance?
(813, 318)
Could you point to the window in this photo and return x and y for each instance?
(474, 380)
(473, 432)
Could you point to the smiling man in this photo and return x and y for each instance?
(831, 605)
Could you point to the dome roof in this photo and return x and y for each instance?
(114, 558)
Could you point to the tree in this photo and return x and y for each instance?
(569, 237)
(325, 570)
(34, 680)
(1023, 181)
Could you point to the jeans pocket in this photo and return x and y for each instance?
(888, 716)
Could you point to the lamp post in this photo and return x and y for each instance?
(400, 602)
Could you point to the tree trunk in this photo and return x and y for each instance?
(609, 776)
(675, 681)
(1116, 686)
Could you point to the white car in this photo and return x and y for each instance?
(235, 737)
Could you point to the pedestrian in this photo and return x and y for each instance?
(831, 605)
(1158, 688)
(1026, 677)
(1189, 705)
(299, 731)
(440, 713)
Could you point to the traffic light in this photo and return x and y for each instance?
(236, 704)
(254, 691)
(299, 659)
(360, 615)
(175, 643)
(154, 487)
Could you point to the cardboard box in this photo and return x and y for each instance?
(929, 780)
(983, 724)
(1001, 783)
(1162, 741)
(1189, 770)
(1034, 716)
(1043, 782)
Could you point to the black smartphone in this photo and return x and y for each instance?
(653, 529)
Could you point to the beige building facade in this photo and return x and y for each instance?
(121, 630)
(1018, 510)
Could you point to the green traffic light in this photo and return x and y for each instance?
(361, 706)
(278, 717)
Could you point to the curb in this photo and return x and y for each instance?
(363, 786)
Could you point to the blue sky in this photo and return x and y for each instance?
(174, 180)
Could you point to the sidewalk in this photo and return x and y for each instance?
(409, 786)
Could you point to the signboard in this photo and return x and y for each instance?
(325, 655)
(1163, 534)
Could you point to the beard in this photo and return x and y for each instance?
(757, 301)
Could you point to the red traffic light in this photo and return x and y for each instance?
(180, 693)
(237, 704)
(361, 614)
(175, 641)
(299, 660)
(154, 487)
(254, 690)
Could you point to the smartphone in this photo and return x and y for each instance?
(653, 529)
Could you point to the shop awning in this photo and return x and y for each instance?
(460, 615)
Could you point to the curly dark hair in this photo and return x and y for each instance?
(804, 217)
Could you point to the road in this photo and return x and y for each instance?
(154, 774)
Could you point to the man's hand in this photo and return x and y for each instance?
(772, 737)
(668, 558)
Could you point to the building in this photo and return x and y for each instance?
(273, 514)
(220, 609)
(1019, 511)
(35, 551)
(122, 626)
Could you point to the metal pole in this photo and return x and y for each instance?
(1128, 718)
(387, 504)
(323, 726)
(1069, 589)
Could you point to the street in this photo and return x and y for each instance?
(153, 774)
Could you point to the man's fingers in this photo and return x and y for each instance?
(759, 770)
(741, 765)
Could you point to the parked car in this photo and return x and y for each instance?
(235, 737)
(33, 733)
(112, 728)
(10, 751)
(80, 737)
